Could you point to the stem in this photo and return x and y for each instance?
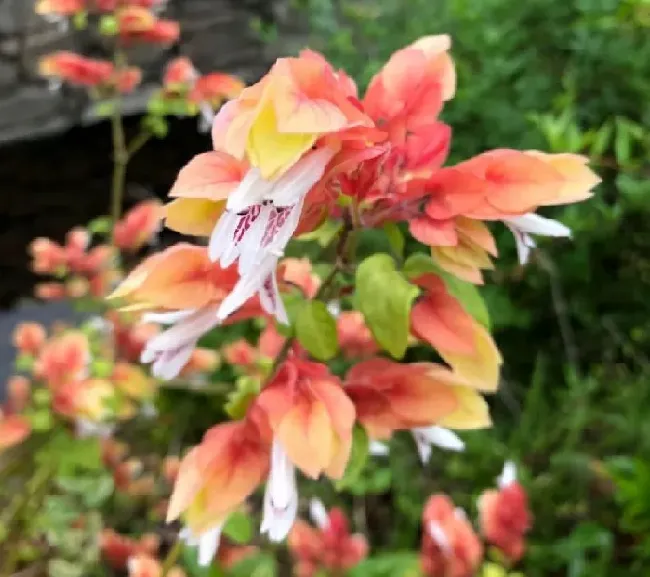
(172, 557)
(137, 143)
(340, 264)
(120, 153)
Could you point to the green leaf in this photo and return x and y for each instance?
(239, 527)
(157, 125)
(104, 109)
(101, 225)
(102, 368)
(24, 363)
(108, 25)
(385, 298)
(418, 264)
(316, 330)
(622, 143)
(395, 239)
(68, 454)
(324, 234)
(358, 459)
(262, 565)
(80, 20)
(394, 564)
(246, 390)
(601, 140)
(469, 297)
(41, 419)
(63, 568)
(191, 563)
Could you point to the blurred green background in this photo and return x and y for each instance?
(574, 326)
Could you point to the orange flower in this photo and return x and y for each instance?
(48, 256)
(231, 554)
(186, 290)
(138, 226)
(138, 24)
(329, 546)
(49, 291)
(60, 7)
(201, 361)
(298, 272)
(19, 390)
(311, 417)
(215, 478)
(143, 565)
(28, 338)
(117, 549)
(390, 396)
(504, 515)
(179, 75)
(14, 429)
(133, 381)
(75, 69)
(214, 88)
(466, 345)
(128, 79)
(449, 544)
(355, 338)
(62, 359)
(240, 353)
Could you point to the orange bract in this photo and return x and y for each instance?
(311, 416)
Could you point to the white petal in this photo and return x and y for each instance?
(299, 179)
(168, 364)
(251, 190)
(334, 308)
(280, 496)
(250, 247)
(271, 300)
(187, 330)
(424, 448)
(167, 318)
(535, 224)
(222, 234)
(508, 475)
(459, 513)
(206, 117)
(524, 244)
(378, 449)
(440, 537)
(318, 513)
(441, 437)
(245, 288)
(208, 545)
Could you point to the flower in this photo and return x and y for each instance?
(504, 515)
(19, 390)
(138, 226)
(59, 7)
(466, 345)
(272, 146)
(449, 544)
(14, 429)
(214, 88)
(391, 396)
(139, 24)
(28, 338)
(117, 549)
(523, 226)
(355, 338)
(75, 69)
(311, 416)
(215, 478)
(182, 288)
(328, 546)
(63, 359)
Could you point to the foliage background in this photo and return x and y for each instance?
(573, 327)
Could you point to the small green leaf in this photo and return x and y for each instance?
(104, 109)
(239, 527)
(385, 298)
(24, 363)
(157, 125)
(246, 390)
(316, 330)
(358, 459)
(622, 143)
(324, 234)
(41, 419)
(418, 264)
(601, 140)
(108, 25)
(262, 565)
(80, 20)
(102, 369)
(469, 297)
(101, 225)
(395, 239)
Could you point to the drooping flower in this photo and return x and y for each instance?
(75, 69)
(505, 516)
(182, 288)
(311, 416)
(449, 544)
(64, 358)
(391, 396)
(466, 345)
(215, 478)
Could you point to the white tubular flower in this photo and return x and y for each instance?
(524, 226)
(426, 437)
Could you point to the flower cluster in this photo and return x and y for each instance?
(298, 149)
(450, 546)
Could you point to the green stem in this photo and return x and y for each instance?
(172, 557)
(137, 143)
(120, 160)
